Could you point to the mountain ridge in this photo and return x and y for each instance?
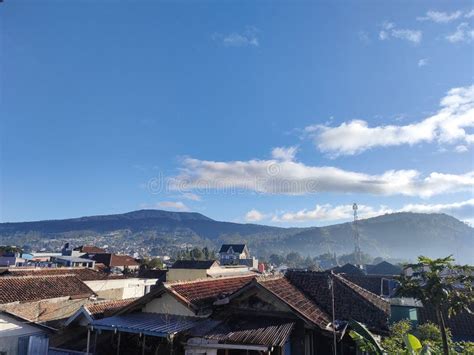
(402, 234)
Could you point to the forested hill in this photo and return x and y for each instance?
(403, 235)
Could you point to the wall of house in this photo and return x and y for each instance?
(11, 330)
(120, 288)
(167, 304)
(185, 274)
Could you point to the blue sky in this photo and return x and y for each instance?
(280, 113)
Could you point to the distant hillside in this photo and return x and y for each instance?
(402, 235)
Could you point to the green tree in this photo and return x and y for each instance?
(441, 284)
(294, 259)
(196, 254)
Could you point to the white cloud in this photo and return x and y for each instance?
(463, 33)
(461, 149)
(284, 153)
(246, 38)
(327, 213)
(191, 196)
(423, 62)
(440, 17)
(390, 30)
(254, 216)
(294, 178)
(469, 14)
(447, 126)
(461, 210)
(409, 35)
(173, 205)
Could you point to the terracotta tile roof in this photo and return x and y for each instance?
(203, 293)
(84, 274)
(46, 311)
(103, 308)
(287, 292)
(35, 288)
(351, 300)
(90, 249)
(113, 260)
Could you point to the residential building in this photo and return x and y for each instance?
(271, 315)
(186, 270)
(105, 286)
(20, 336)
(115, 261)
(237, 254)
(43, 299)
(12, 260)
(73, 261)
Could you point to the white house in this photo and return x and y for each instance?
(19, 336)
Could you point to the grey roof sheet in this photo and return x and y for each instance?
(154, 324)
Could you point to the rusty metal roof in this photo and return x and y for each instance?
(265, 331)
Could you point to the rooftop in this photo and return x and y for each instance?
(351, 300)
(264, 331)
(83, 274)
(202, 293)
(194, 264)
(282, 288)
(154, 324)
(238, 248)
(35, 288)
(90, 249)
(113, 260)
(100, 309)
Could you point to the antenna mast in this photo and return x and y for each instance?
(357, 252)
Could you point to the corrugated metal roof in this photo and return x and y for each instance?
(264, 331)
(154, 324)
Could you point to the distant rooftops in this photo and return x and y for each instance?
(194, 264)
(83, 274)
(114, 260)
(90, 249)
(238, 248)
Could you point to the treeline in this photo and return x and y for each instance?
(196, 254)
(323, 261)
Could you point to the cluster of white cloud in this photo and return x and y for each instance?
(246, 38)
(464, 33)
(440, 17)
(447, 126)
(295, 178)
(328, 213)
(445, 17)
(284, 153)
(254, 216)
(390, 30)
